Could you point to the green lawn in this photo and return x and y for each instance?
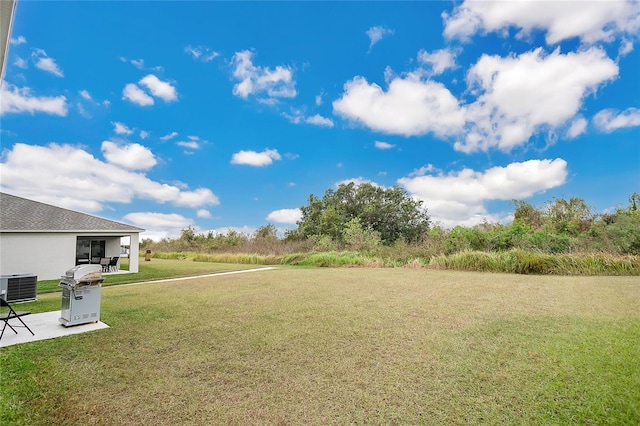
(156, 269)
(340, 346)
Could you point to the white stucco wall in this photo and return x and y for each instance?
(48, 255)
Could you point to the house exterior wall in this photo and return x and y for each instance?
(47, 255)
(50, 254)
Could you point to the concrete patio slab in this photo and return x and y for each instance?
(45, 326)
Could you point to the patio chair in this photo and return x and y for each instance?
(104, 262)
(113, 264)
(12, 314)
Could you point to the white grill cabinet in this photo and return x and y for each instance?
(81, 292)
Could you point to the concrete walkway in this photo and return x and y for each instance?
(47, 326)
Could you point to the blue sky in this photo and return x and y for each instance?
(223, 115)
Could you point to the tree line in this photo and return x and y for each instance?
(388, 222)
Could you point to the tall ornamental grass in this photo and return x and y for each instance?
(525, 262)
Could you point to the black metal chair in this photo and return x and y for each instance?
(12, 314)
(113, 264)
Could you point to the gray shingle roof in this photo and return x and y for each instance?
(20, 214)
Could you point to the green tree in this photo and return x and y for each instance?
(267, 233)
(569, 217)
(526, 214)
(391, 212)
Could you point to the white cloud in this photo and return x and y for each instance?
(423, 170)
(144, 134)
(159, 225)
(136, 95)
(319, 99)
(14, 100)
(409, 107)
(257, 80)
(85, 95)
(376, 34)
(319, 120)
(626, 47)
(21, 63)
(204, 214)
(189, 144)
(201, 53)
(121, 128)
(159, 88)
(51, 174)
(45, 63)
(256, 159)
(591, 21)
(139, 63)
(129, 156)
(458, 198)
(439, 61)
(169, 136)
(18, 40)
(285, 216)
(383, 145)
(578, 127)
(519, 95)
(609, 120)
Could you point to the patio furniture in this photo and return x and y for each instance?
(113, 264)
(12, 314)
(104, 262)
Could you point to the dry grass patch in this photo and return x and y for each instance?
(342, 346)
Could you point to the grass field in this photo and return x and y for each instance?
(340, 346)
(156, 269)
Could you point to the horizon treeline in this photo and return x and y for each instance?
(389, 223)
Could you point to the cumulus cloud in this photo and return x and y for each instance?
(21, 63)
(459, 197)
(258, 81)
(319, 120)
(290, 216)
(121, 128)
(14, 100)
(136, 95)
(609, 120)
(383, 145)
(204, 214)
(590, 21)
(438, 61)
(45, 63)
(519, 95)
(129, 156)
(297, 117)
(158, 88)
(578, 127)
(159, 225)
(201, 53)
(376, 34)
(409, 107)
(18, 40)
(51, 174)
(256, 159)
(85, 95)
(169, 136)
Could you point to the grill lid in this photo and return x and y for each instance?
(84, 273)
